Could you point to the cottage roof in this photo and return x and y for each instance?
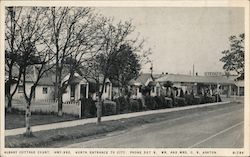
(195, 79)
(141, 79)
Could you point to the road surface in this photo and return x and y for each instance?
(218, 128)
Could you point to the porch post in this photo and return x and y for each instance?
(87, 90)
(80, 108)
(110, 90)
(229, 90)
(238, 87)
(79, 91)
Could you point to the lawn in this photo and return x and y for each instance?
(16, 119)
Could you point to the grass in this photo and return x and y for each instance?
(16, 119)
(48, 137)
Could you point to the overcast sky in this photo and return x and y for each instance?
(181, 37)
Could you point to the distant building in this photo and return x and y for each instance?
(197, 84)
(239, 82)
(144, 80)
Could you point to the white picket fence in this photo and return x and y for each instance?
(48, 106)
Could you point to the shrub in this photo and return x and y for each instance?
(206, 99)
(88, 108)
(93, 110)
(122, 104)
(162, 102)
(159, 102)
(189, 99)
(180, 101)
(150, 103)
(136, 105)
(169, 102)
(196, 100)
(108, 108)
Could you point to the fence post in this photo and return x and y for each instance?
(80, 109)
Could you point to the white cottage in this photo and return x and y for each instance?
(43, 91)
(80, 87)
(144, 80)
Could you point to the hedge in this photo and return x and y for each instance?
(108, 108)
(136, 105)
(123, 105)
(88, 108)
(179, 101)
(150, 103)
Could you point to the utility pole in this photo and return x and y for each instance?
(151, 70)
(193, 69)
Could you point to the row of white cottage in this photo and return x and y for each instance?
(78, 88)
(82, 87)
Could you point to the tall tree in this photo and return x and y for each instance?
(12, 46)
(34, 53)
(72, 32)
(125, 67)
(112, 37)
(233, 58)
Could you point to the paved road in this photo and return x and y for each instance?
(220, 128)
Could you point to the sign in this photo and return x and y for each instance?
(213, 73)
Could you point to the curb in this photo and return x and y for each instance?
(73, 123)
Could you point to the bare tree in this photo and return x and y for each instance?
(73, 43)
(35, 54)
(12, 46)
(112, 37)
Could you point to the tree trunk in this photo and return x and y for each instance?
(9, 107)
(99, 109)
(27, 119)
(8, 89)
(60, 103)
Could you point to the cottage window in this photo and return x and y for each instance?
(45, 90)
(20, 89)
(72, 91)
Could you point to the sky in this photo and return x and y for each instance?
(183, 36)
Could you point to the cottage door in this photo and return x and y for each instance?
(83, 91)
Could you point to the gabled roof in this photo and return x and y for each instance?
(195, 79)
(47, 79)
(141, 79)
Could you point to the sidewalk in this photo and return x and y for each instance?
(73, 123)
